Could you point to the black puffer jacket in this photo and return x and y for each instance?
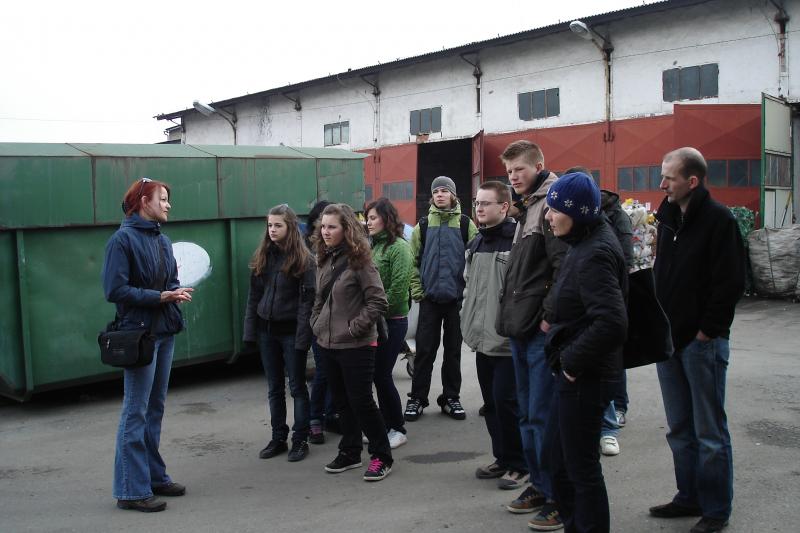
(591, 321)
(283, 301)
(620, 223)
(699, 268)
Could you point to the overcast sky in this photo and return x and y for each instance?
(98, 71)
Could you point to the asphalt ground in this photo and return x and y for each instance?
(57, 452)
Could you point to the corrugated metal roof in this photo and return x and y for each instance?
(603, 18)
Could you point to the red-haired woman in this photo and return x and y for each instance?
(278, 309)
(394, 261)
(349, 301)
(141, 277)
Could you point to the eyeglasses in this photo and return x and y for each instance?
(476, 203)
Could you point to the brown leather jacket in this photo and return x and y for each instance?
(346, 319)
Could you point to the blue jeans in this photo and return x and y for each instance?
(535, 389)
(385, 359)
(277, 354)
(321, 401)
(610, 424)
(693, 388)
(138, 467)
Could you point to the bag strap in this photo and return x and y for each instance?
(336, 273)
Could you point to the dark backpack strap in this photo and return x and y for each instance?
(423, 231)
(464, 228)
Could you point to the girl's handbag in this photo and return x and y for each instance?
(126, 349)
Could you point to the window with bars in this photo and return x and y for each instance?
(400, 190)
(721, 173)
(641, 178)
(691, 83)
(539, 104)
(734, 173)
(424, 121)
(337, 133)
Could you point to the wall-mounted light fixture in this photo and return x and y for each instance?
(207, 111)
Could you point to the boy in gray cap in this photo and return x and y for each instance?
(438, 243)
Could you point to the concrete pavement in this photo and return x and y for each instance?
(56, 455)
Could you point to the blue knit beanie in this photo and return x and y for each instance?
(576, 195)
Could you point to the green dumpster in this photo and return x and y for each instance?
(60, 204)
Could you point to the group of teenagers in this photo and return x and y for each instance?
(538, 289)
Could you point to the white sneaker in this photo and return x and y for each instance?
(396, 438)
(364, 439)
(609, 446)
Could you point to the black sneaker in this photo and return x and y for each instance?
(674, 510)
(147, 505)
(530, 501)
(451, 407)
(299, 451)
(342, 463)
(414, 409)
(547, 519)
(173, 489)
(377, 470)
(709, 525)
(275, 447)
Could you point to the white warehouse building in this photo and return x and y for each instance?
(706, 73)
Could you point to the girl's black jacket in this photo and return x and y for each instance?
(282, 301)
(591, 321)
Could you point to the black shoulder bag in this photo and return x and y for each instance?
(134, 347)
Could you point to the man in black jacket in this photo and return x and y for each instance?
(699, 273)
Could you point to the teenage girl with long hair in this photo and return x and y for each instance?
(282, 286)
(392, 256)
(348, 303)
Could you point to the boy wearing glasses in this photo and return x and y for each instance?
(486, 265)
(438, 243)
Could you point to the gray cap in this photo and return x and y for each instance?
(444, 181)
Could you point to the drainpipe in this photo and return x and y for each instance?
(781, 18)
(478, 74)
(607, 50)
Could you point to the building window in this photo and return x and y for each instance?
(401, 190)
(642, 178)
(367, 192)
(691, 83)
(539, 104)
(425, 121)
(595, 174)
(337, 133)
(734, 173)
